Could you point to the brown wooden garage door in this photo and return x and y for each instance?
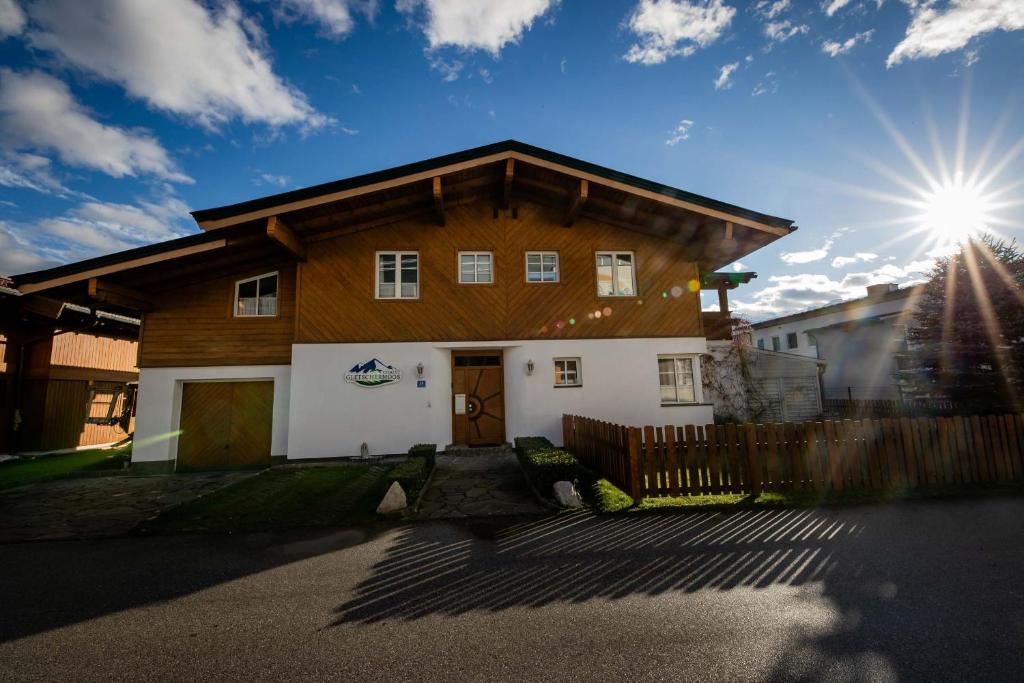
(225, 424)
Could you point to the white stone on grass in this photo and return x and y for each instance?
(394, 500)
(567, 495)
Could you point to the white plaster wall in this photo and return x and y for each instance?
(331, 417)
(159, 405)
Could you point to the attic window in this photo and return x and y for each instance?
(398, 275)
(615, 274)
(256, 296)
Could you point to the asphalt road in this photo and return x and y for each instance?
(928, 591)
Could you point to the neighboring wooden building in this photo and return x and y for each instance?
(466, 299)
(67, 373)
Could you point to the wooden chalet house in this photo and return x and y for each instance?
(466, 299)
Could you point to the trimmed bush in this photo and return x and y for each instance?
(604, 496)
(411, 475)
(544, 464)
(425, 450)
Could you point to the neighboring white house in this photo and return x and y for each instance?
(747, 384)
(859, 340)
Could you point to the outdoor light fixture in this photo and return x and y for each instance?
(419, 369)
(529, 367)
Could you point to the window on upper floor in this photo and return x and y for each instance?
(476, 267)
(542, 266)
(567, 372)
(760, 343)
(791, 340)
(398, 275)
(776, 344)
(616, 275)
(675, 375)
(256, 296)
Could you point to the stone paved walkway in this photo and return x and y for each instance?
(478, 486)
(98, 506)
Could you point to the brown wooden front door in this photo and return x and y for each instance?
(225, 424)
(478, 398)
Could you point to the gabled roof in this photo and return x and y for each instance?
(287, 201)
(894, 295)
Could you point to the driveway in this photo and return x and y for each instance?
(86, 507)
(904, 592)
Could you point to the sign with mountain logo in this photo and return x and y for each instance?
(373, 373)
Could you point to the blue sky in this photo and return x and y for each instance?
(118, 116)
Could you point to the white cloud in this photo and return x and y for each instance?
(781, 31)
(770, 10)
(39, 112)
(769, 86)
(12, 19)
(808, 256)
(207, 65)
(333, 16)
(679, 133)
(19, 256)
(860, 256)
(934, 31)
(104, 227)
(32, 172)
(449, 70)
(271, 179)
(791, 293)
(834, 49)
(672, 28)
(473, 25)
(833, 6)
(723, 81)
(562, 64)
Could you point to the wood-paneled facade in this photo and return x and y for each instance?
(338, 303)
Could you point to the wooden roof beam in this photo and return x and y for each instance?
(438, 201)
(506, 195)
(118, 295)
(285, 237)
(579, 198)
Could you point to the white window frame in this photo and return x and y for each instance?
(476, 267)
(542, 254)
(615, 280)
(579, 370)
(398, 275)
(695, 378)
(257, 314)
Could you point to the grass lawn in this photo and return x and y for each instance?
(45, 467)
(283, 498)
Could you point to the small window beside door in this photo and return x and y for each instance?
(616, 275)
(398, 275)
(675, 375)
(567, 372)
(476, 267)
(256, 296)
(542, 266)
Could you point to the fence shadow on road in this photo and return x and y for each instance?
(582, 557)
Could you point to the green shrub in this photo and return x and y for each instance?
(411, 475)
(425, 450)
(544, 464)
(605, 496)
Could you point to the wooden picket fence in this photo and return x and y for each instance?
(888, 453)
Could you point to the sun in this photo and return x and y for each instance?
(955, 211)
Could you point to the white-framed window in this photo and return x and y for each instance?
(675, 375)
(398, 275)
(616, 274)
(776, 344)
(476, 267)
(568, 372)
(542, 266)
(256, 296)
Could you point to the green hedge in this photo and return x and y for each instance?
(411, 475)
(545, 464)
(425, 450)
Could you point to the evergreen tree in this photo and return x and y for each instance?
(967, 338)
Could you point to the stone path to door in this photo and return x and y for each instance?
(478, 486)
(98, 506)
